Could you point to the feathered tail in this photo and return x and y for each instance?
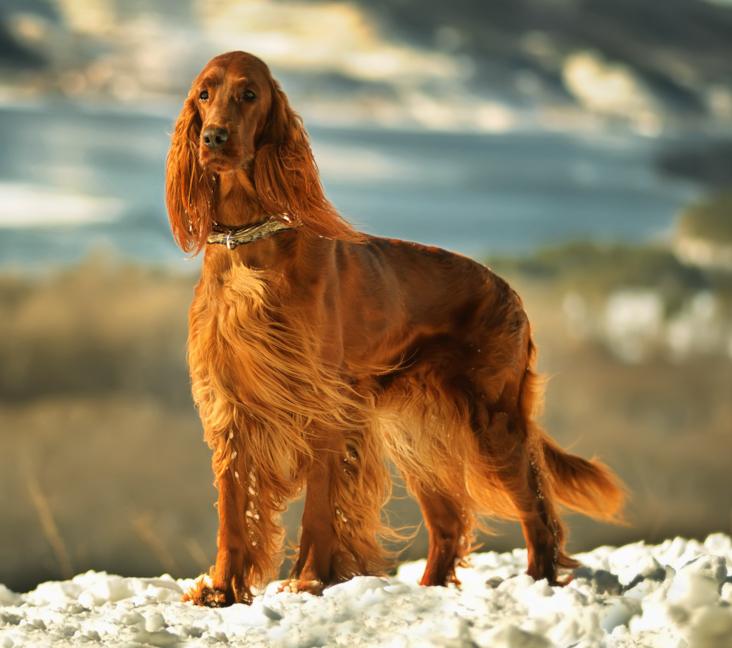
(585, 486)
(589, 487)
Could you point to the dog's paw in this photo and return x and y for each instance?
(203, 593)
(297, 585)
(207, 597)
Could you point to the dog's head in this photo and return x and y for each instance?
(236, 119)
(230, 105)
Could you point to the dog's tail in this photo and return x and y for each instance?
(588, 487)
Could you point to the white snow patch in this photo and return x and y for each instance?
(676, 594)
(633, 321)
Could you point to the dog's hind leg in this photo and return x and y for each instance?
(449, 527)
(426, 428)
(516, 468)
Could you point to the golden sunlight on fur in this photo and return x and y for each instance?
(318, 353)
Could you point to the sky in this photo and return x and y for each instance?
(89, 90)
(463, 65)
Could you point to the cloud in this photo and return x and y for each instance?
(325, 36)
(25, 205)
(610, 88)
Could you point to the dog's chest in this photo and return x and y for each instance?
(229, 326)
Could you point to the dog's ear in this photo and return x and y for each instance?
(189, 191)
(286, 177)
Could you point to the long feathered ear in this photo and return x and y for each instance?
(189, 191)
(286, 177)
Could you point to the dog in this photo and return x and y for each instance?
(317, 353)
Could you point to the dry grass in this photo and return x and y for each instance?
(94, 397)
(48, 523)
(95, 329)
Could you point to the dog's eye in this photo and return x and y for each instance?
(249, 95)
(203, 96)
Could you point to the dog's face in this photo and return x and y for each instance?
(232, 95)
(237, 118)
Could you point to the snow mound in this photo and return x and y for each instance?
(674, 595)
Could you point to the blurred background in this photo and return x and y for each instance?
(582, 148)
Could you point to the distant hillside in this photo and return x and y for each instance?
(704, 235)
(709, 219)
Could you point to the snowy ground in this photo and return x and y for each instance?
(671, 595)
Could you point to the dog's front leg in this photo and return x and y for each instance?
(226, 584)
(312, 570)
(347, 484)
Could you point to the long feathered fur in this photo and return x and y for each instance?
(189, 190)
(318, 354)
(263, 394)
(284, 175)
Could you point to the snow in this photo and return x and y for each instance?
(636, 324)
(674, 595)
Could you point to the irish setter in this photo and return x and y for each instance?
(317, 353)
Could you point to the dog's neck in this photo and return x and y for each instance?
(237, 202)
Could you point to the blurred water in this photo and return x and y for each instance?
(75, 179)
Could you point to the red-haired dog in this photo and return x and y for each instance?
(317, 353)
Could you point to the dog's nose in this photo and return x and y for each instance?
(215, 137)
